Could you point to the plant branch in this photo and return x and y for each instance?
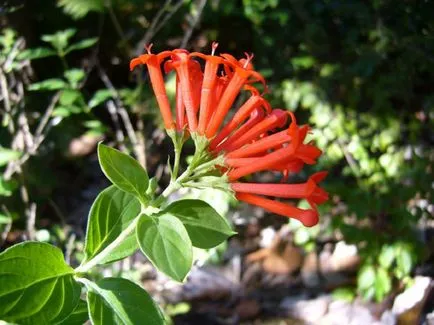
(107, 251)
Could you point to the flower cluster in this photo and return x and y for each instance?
(252, 139)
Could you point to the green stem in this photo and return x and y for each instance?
(174, 185)
(176, 164)
(107, 251)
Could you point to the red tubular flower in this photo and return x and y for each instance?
(250, 141)
(153, 61)
(308, 217)
(254, 102)
(210, 79)
(277, 118)
(189, 73)
(249, 192)
(241, 74)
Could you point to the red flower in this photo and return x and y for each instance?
(251, 141)
(249, 192)
(153, 61)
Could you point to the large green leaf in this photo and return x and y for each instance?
(79, 316)
(112, 212)
(165, 241)
(123, 171)
(119, 301)
(36, 285)
(204, 225)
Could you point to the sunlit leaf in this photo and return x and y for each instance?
(36, 285)
(123, 171)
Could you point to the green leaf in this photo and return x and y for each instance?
(60, 39)
(88, 42)
(79, 316)
(7, 188)
(120, 301)
(36, 285)
(383, 284)
(100, 97)
(346, 294)
(49, 84)
(65, 111)
(165, 242)
(123, 171)
(36, 53)
(7, 155)
(69, 96)
(366, 277)
(4, 219)
(404, 261)
(74, 76)
(206, 228)
(386, 256)
(112, 212)
(80, 8)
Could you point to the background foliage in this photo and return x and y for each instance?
(360, 72)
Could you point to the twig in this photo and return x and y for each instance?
(120, 137)
(119, 108)
(158, 22)
(193, 24)
(7, 104)
(38, 138)
(69, 248)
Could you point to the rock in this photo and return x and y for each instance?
(83, 145)
(308, 310)
(408, 305)
(309, 272)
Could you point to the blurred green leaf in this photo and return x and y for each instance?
(366, 277)
(65, 111)
(79, 8)
(346, 294)
(165, 242)
(69, 96)
(8, 155)
(60, 39)
(206, 228)
(49, 84)
(386, 256)
(383, 284)
(36, 53)
(74, 76)
(36, 285)
(100, 97)
(83, 44)
(5, 219)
